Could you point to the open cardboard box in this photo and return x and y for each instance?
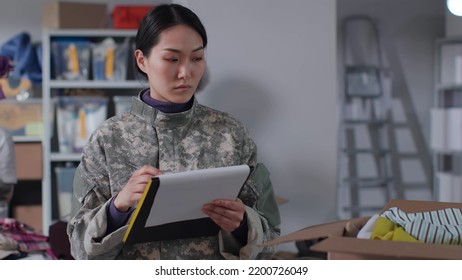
(338, 247)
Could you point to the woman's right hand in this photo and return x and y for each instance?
(133, 190)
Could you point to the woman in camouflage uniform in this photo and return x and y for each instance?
(167, 130)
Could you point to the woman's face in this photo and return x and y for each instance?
(175, 65)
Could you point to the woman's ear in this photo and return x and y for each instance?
(140, 60)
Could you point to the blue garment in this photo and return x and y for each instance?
(25, 56)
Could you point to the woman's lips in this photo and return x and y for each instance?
(183, 88)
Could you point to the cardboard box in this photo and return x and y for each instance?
(30, 215)
(340, 247)
(28, 161)
(63, 14)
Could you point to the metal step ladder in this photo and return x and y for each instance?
(403, 119)
(369, 160)
(364, 124)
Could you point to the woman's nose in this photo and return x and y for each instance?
(184, 71)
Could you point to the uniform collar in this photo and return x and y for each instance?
(157, 118)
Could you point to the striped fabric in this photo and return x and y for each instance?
(440, 226)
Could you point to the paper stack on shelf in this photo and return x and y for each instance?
(438, 139)
(450, 187)
(454, 129)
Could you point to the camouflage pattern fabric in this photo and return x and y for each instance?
(196, 139)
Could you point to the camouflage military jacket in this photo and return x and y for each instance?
(196, 139)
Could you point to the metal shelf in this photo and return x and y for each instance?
(57, 157)
(48, 85)
(90, 32)
(22, 139)
(56, 84)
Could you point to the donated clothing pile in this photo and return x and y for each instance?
(17, 241)
(438, 227)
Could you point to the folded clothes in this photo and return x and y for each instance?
(384, 229)
(440, 226)
(366, 230)
(8, 246)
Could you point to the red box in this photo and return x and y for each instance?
(129, 17)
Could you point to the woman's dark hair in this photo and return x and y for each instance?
(161, 18)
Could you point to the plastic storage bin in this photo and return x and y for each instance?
(110, 60)
(122, 104)
(71, 59)
(78, 117)
(64, 179)
(22, 118)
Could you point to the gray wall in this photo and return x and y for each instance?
(453, 26)
(412, 32)
(273, 65)
(408, 39)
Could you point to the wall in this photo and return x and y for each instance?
(408, 39)
(453, 26)
(273, 65)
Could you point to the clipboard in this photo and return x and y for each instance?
(170, 207)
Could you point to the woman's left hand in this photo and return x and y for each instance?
(227, 214)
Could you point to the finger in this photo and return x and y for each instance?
(139, 180)
(148, 170)
(223, 222)
(235, 205)
(235, 216)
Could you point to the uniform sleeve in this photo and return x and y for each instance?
(92, 196)
(263, 219)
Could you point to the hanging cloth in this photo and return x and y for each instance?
(27, 69)
(24, 56)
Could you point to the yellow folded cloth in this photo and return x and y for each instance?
(385, 229)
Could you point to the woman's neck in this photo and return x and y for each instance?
(166, 107)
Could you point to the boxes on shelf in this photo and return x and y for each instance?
(77, 118)
(110, 60)
(28, 161)
(337, 246)
(30, 215)
(122, 103)
(71, 58)
(22, 118)
(65, 14)
(129, 16)
(64, 179)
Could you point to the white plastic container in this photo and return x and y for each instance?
(78, 117)
(110, 60)
(65, 178)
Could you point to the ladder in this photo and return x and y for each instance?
(407, 121)
(364, 123)
(369, 157)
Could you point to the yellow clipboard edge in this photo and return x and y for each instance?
(137, 210)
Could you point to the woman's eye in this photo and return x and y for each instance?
(172, 59)
(197, 59)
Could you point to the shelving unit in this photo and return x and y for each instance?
(50, 87)
(446, 120)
